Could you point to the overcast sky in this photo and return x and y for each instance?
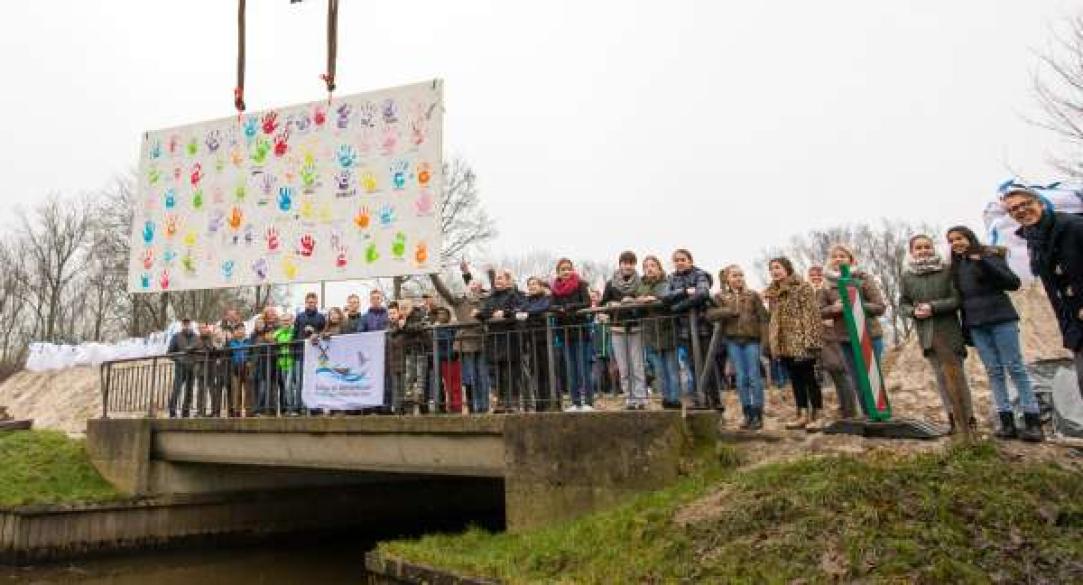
(722, 127)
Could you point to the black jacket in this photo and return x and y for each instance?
(567, 305)
(982, 284)
(1056, 248)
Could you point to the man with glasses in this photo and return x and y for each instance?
(1055, 243)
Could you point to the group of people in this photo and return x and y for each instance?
(556, 338)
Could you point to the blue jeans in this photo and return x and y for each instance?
(746, 362)
(851, 367)
(778, 373)
(476, 375)
(672, 363)
(663, 372)
(577, 357)
(998, 347)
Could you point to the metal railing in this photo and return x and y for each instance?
(547, 362)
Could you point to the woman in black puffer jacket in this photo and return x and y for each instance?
(982, 277)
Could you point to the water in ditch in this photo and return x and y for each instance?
(322, 559)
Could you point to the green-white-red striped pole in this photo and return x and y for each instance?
(870, 380)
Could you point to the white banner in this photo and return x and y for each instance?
(315, 192)
(344, 372)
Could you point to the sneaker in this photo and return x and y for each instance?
(573, 408)
(586, 408)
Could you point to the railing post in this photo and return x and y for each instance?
(150, 394)
(435, 369)
(696, 358)
(103, 374)
(554, 398)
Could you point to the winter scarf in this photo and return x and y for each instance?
(567, 286)
(625, 285)
(925, 265)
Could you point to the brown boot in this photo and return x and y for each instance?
(814, 423)
(799, 422)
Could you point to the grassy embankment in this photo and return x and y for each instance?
(41, 467)
(969, 514)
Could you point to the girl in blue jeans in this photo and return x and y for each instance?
(981, 275)
(571, 294)
(743, 317)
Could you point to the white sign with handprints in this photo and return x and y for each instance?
(323, 191)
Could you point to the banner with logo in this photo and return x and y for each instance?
(344, 372)
(322, 191)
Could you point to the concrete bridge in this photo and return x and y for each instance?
(548, 466)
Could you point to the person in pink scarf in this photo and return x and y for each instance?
(572, 339)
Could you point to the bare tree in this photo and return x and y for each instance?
(1058, 85)
(54, 236)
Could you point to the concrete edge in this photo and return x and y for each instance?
(397, 570)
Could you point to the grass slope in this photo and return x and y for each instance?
(967, 515)
(38, 467)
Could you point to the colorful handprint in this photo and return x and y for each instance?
(424, 173)
(213, 140)
(307, 209)
(260, 151)
(285, 198)
(190, 238)
(156, 150)
(397, 170)
(363, 218)
(197, 199)
(170, 198)
(289, 266)
(196, 175)
(319, 116)
(236, 156)
(371, 253)
(227, 269)
(282, 143)
(343, 116)
(341, 258)
(308, 246)
(249, 234)
(163, 280)
(215, 221)
(343, 179)
(390, 111)
(188, 263)
(267, 183)
(153, 175)
(240, 191)
(169, 256)
(236, 218)
(390, 141)
(193, 146)
(387, 215)
(346, 156)
(260, 267)
(398, 245)
(366, 115)
(421, 253)
(144, 280)
(269, 122)
(271, 236)
(171, 225)
(309, 175)
(148, 259)
(148, 232)
(368, 181)
(174, 144)
(251, 127)
(424, 203)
